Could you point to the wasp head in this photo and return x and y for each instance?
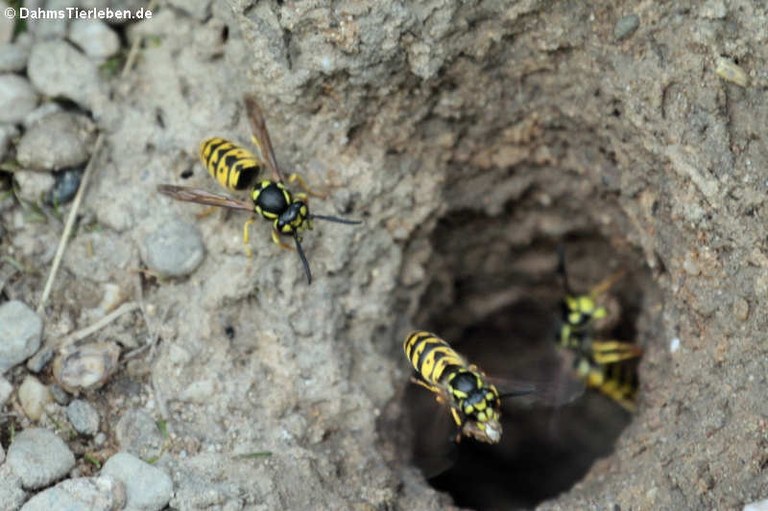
(294, 219)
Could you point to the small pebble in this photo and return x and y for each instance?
(17, 98)
(100, 439)
(56, 68)
(60, 140)
(85, 367)
(740, 308)
(34, 186)
(39, 360)
(147, 487)
(39, 457)
(13, 58)
(12, 496)
(60, 395)
(626, 26)
(5, 391)
(175, 249)
(137, 433)
(65, 187)
(34, 396)
(102, 493)
(83, 417)
(674, 345)
(729, 71)
(20, 333)
(95, 38)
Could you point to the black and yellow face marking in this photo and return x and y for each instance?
(236, 168)
(607, 366)
(474, 403)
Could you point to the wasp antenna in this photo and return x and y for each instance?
(303, 258)
(335, 219)
(561, 267)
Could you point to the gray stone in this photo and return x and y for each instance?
(12, 496)
(102, 493)
(59, 140)
(17, 98)
(626, 26)
(20, 333)
(39, 457)
(34, 186)
(95, 38)
(148, 488)
(175, 249)
(13, 57)
(56, 68)
(83, 417)
(137, 433)
(59, 394)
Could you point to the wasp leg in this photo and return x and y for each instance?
(279, 242)
(607, 283)
(608, 352)
(206, 212)
(296, 178)
(246, 237)
(426, 385)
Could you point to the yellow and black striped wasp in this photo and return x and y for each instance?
(609, 366)
(474, 402)
(236, 168)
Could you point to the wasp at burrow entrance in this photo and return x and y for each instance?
(609, 366)
(474, 402)
(236, 168)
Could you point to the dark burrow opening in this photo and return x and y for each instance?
(495, 295)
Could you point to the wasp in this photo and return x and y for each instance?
(474, 402)
(236, 168)
(609, 366)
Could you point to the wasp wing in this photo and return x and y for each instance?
(261, 137)
(200, 196)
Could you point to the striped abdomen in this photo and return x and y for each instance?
(431, 356)
(234, 167)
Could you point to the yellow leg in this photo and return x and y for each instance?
(276, 239)
(296, 178)
(206, 212)
(246, 237)
(605, 284)
(607, 352)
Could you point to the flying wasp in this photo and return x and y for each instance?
(608, 366)
(236, 168)
(474, 402)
